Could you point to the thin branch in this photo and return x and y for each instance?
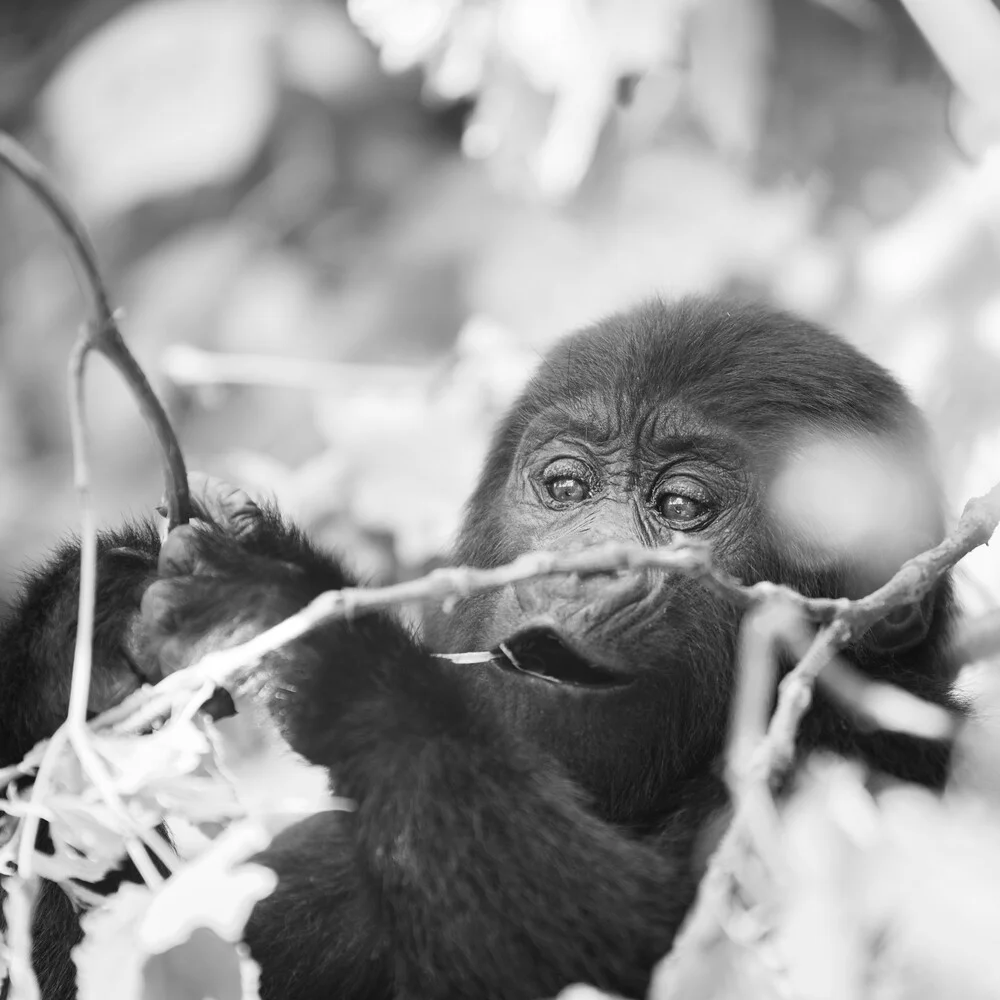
(846, 619)
(104, 334)
(189, 365)
(885, 706)
(226, 667)
(28, 830)
(83, 647)
(18, 908)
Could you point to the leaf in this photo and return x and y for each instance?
(939, 870)
(407, 32)
(183, 940)
(728, 79)
(827, 930)
(112, 963)
(205, 967)
(137, 762)
(274, 785)
(167, 96)
(86, 836)
(170, 771)
(322, 54)
(108, 960)
(215, 890)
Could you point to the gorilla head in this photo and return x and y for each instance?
(746, 428)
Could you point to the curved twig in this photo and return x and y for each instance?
(103, 333)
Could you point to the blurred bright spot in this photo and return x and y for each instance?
(406, 31)
(853, 498)
(323, 54)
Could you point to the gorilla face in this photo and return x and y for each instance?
(625, 674)
(649, 428)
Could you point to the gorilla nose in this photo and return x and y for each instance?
(586, 601)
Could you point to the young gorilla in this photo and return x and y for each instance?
(534, 821)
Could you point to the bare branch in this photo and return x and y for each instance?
(847, 619)
(18, 907)
(103, 333)
(885, 706)
(189, 365)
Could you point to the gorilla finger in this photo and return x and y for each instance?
(157, 607)
(179, 553)
(223, 504)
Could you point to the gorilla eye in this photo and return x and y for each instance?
(567, 489)
(686, 509)
(674, 507)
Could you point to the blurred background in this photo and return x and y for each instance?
(342, 234)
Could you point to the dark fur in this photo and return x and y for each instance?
(491, 854)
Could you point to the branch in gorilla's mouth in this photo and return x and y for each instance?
(541, 652)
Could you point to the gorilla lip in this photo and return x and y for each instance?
(541, 652)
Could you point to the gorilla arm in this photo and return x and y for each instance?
(470, 864)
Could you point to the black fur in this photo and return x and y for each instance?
(514, 836)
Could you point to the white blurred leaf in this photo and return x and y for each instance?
(115, 962)
(460, 68)
(728, 77)
(108, 959)
(274, 785)
(87, 837)
(322, 54)
(216, 890)
(826, 931)
(939, 867)
(135, 762)
(204, 967)
(908, 259)
(559, 61)
(169, 95)
(406, 31)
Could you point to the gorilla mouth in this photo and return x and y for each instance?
(540, 652)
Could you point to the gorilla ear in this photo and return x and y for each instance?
(903, 628)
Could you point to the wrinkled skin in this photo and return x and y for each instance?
(538, 819)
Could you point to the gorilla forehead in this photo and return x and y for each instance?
(748, 368)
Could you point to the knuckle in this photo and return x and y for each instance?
(177, 556)
(157, 606)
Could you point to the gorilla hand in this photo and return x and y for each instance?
(222, 579)
(37, 638)
(235, 572)
(241, 571)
